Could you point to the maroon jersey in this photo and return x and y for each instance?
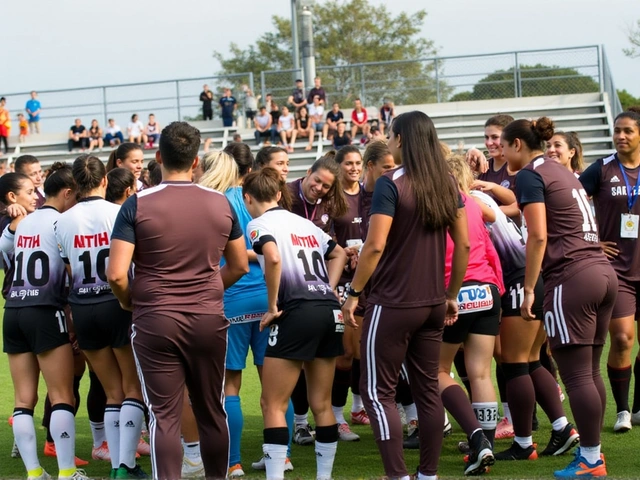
(365, 209)
(299, 205)
(501, 176)
(411, 270)
(572, 235)
(347, 229)
(605, 181)
(180, 231)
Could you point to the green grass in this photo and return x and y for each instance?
(354, 460)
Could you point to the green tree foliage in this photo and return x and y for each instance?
(633, 35)
(348, 32)
(627, 100)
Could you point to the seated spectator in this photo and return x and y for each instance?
(274, 111)
(250, 106)
(376, 134)
(304, 126)
(237, 138)
(317, 90)
(95, 136)
(316, 112)
(341, 137)
(297, 99)
(136, 131)
(152, 131)
(78, 136)
(386, 115)
(268, 102)
(23, 125)
(263, 122)
(334, 118)
(287, 129)
(114, 135)
(360, 121)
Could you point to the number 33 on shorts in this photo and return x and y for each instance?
(273, 335)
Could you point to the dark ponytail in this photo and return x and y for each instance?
(60, 176)
(533, 133)
(264, 185)
(11, 182)
(119, 179)
(88, 172)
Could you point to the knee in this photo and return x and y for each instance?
(621, 341)
(26, 400)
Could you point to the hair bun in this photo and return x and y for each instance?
(543, 128)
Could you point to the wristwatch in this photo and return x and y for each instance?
(353, 293)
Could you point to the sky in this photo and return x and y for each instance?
(53, 44)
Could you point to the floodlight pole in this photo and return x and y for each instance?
(294, 39)
(308, 53)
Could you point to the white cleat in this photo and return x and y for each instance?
(346, 435)
(259, 465)
(191, 469)
(623, 422)
(635, 418)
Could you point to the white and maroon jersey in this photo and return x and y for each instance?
(83, 233)
(39, 274)
(303, 248)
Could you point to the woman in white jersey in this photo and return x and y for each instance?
(102, 327)
(35, 328)
(303, 314)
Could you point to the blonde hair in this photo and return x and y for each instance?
(446, 149)
(220, 171)
(461, 171)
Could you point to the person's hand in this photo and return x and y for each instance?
(610, 250)
(269, 317)
(128, 307)
(348, 310)
(477, 161)
(483, 186)
(527, 305)
(352, 256)
(15, 211)
(451, 315)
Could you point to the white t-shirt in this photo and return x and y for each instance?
(113, 130)
(287, 122)
(313, 110)
(263, 120)
(135, 128)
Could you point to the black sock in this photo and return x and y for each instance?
(46, 418)
(355, 376)
(340, 390)
(636, 390)
(461, 368)
(502, 383)
(620, 380)
(96, 399)
(299, 396)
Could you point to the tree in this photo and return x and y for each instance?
(348, 32)
(633, 35)
(627, 100)
(533, 80)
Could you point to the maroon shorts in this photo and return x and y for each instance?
(628, 302)
(578, 311)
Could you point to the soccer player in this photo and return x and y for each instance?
(130, 156)
(30, 166)
(580, 286)
(179, 332)
(566, 148)
(613, 183)
(406, 313)
(303, 314)
(121, 185)
(102, 327)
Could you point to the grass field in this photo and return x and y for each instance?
(354, 460)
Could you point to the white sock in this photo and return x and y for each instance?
(325, 455)
(274, 458)
(131, 418)
(559, 424)
(301, 420)
(590, 454)
(24, 432)
(427, 477)
(97, 431)
(357, 404)
(524, 442)
(486, 413)
(192, 451)
(507, 412)
(406, 477)
(63, 431)
(411, 412)
(112, 432)
(339, 414)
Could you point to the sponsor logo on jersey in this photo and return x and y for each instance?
(614, 179)
(324, 218)
(90, 241)
(308, 241)
(357, 220)
(622, 191)
(505, 183)
(475, 298)
(254, 235)
(26, 241)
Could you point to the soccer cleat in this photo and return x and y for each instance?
(43, 476)
(463, 447)
(125, 472)
(448, 430)
(403, 414)
(259, 465)
(50, 451)
(360, 418)
(623, 422)
(346, 435)
(77, 475)
(562, 441)
(581, 468)
(143, 447)
(412, 441)
(113, 473)
(504, 429)
(481, 456)
(101, 452)
(235, 471)
(303, 435)
(516, 452)
(635, 418)
(15, 453)
(191, 469)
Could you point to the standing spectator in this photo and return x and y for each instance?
(316, 112)
(263, 123)
(178, 317)
(135, 130)
(268, 102)
(24, 127)
(33, 108)
(317, 90)
(250, 106)
(287, 129)
(206, 97)
(385, 116)
(78, 136)
(95, 136)
(228, 105)
(360, 121)
(303, 126)
(342, 137)
(152, 131)
(297, 99)
(334, 118)
(114, 135)
(5, 124)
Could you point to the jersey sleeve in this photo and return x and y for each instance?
(590, 178)
(236, 229)
(385, 197)
(529, 188)
(326, 242)
(59, 238)
(124, 227)
(259, 234)
(7, 239)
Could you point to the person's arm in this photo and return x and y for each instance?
(71, 134)
(477, 161)
(501, 194)
(536, 218)
(120, 256)
(336, 259)
(272, 274)
(488, 215)
(510, 210)
(237, 262)
(7, 240)
(459, 233)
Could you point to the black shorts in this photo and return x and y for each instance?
(34, 329)
(306, 331)
(101, 325)
(478, 312)
(514, 296)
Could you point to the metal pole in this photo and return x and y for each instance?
(178, 99)
(435, 66)
(308, 54)
(600, 69)
(251, 83)
(363, 89)
(263, 89)
(294, 39)
(516, 76)
(104, 105)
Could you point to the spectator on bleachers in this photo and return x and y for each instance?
(152, 131)
(386, 115)
(33, 109)
(297, 99)
(3, 167)
(304, 126)
(287, 129)
(334, 118)
(317, 90)
(316, 112)
(250, 106)
(228, 105)
(360, 121)
(95, 136)
(263, 122)
(5, 124)
(23, 125)
(275, 113)
(135, 130)
(341, 137)
(206, 97)
(78, 136)
(114, 135)
(376, 134)
(268, 102)
(237, 138)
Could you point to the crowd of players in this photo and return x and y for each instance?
(374, 272)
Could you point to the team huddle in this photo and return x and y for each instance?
(375, 272)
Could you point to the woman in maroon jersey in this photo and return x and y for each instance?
(403, 256)
(610, 181)
(579, 284)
